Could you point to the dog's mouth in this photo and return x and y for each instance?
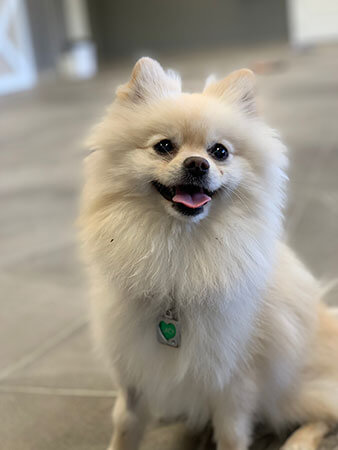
(189, 199)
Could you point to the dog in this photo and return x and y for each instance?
(201, 310)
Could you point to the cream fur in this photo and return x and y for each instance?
(256, 341)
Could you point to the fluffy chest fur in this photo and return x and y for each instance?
(214, 346)
(217, 295)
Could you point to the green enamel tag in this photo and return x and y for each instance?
(168, 330)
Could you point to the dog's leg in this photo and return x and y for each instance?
(307, 437)
(129, 420)
(232, 415)
(232, 429)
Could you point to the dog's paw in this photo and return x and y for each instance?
(298, 446)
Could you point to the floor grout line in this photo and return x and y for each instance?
(54, 391)
(47, 345)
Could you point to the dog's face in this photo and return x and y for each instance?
(186, 154)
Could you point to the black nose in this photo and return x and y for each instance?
(196, 166)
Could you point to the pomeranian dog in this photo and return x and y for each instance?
(200, 308)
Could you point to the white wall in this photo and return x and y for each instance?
(313, 21)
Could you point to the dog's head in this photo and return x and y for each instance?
(187, 154)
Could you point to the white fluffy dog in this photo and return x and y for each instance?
(200, 308)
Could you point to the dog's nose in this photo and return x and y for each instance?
(196, 166)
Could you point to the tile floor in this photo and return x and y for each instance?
(54, 394)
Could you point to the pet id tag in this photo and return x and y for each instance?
(169, 329)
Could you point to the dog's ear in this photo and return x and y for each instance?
(149, 82)
(238, 87)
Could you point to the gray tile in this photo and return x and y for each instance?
(59, 266)
(33, 225)
(33, 312)
(316, 236)
(38, 422)
(298, 197)
(70, 365)
(34, 422)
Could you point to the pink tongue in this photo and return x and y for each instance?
(194, 200)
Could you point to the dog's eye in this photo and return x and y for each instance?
(164, 146)
(219, 152)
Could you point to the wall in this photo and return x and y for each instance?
(129, 27)
(48, 31)
(313, 21)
